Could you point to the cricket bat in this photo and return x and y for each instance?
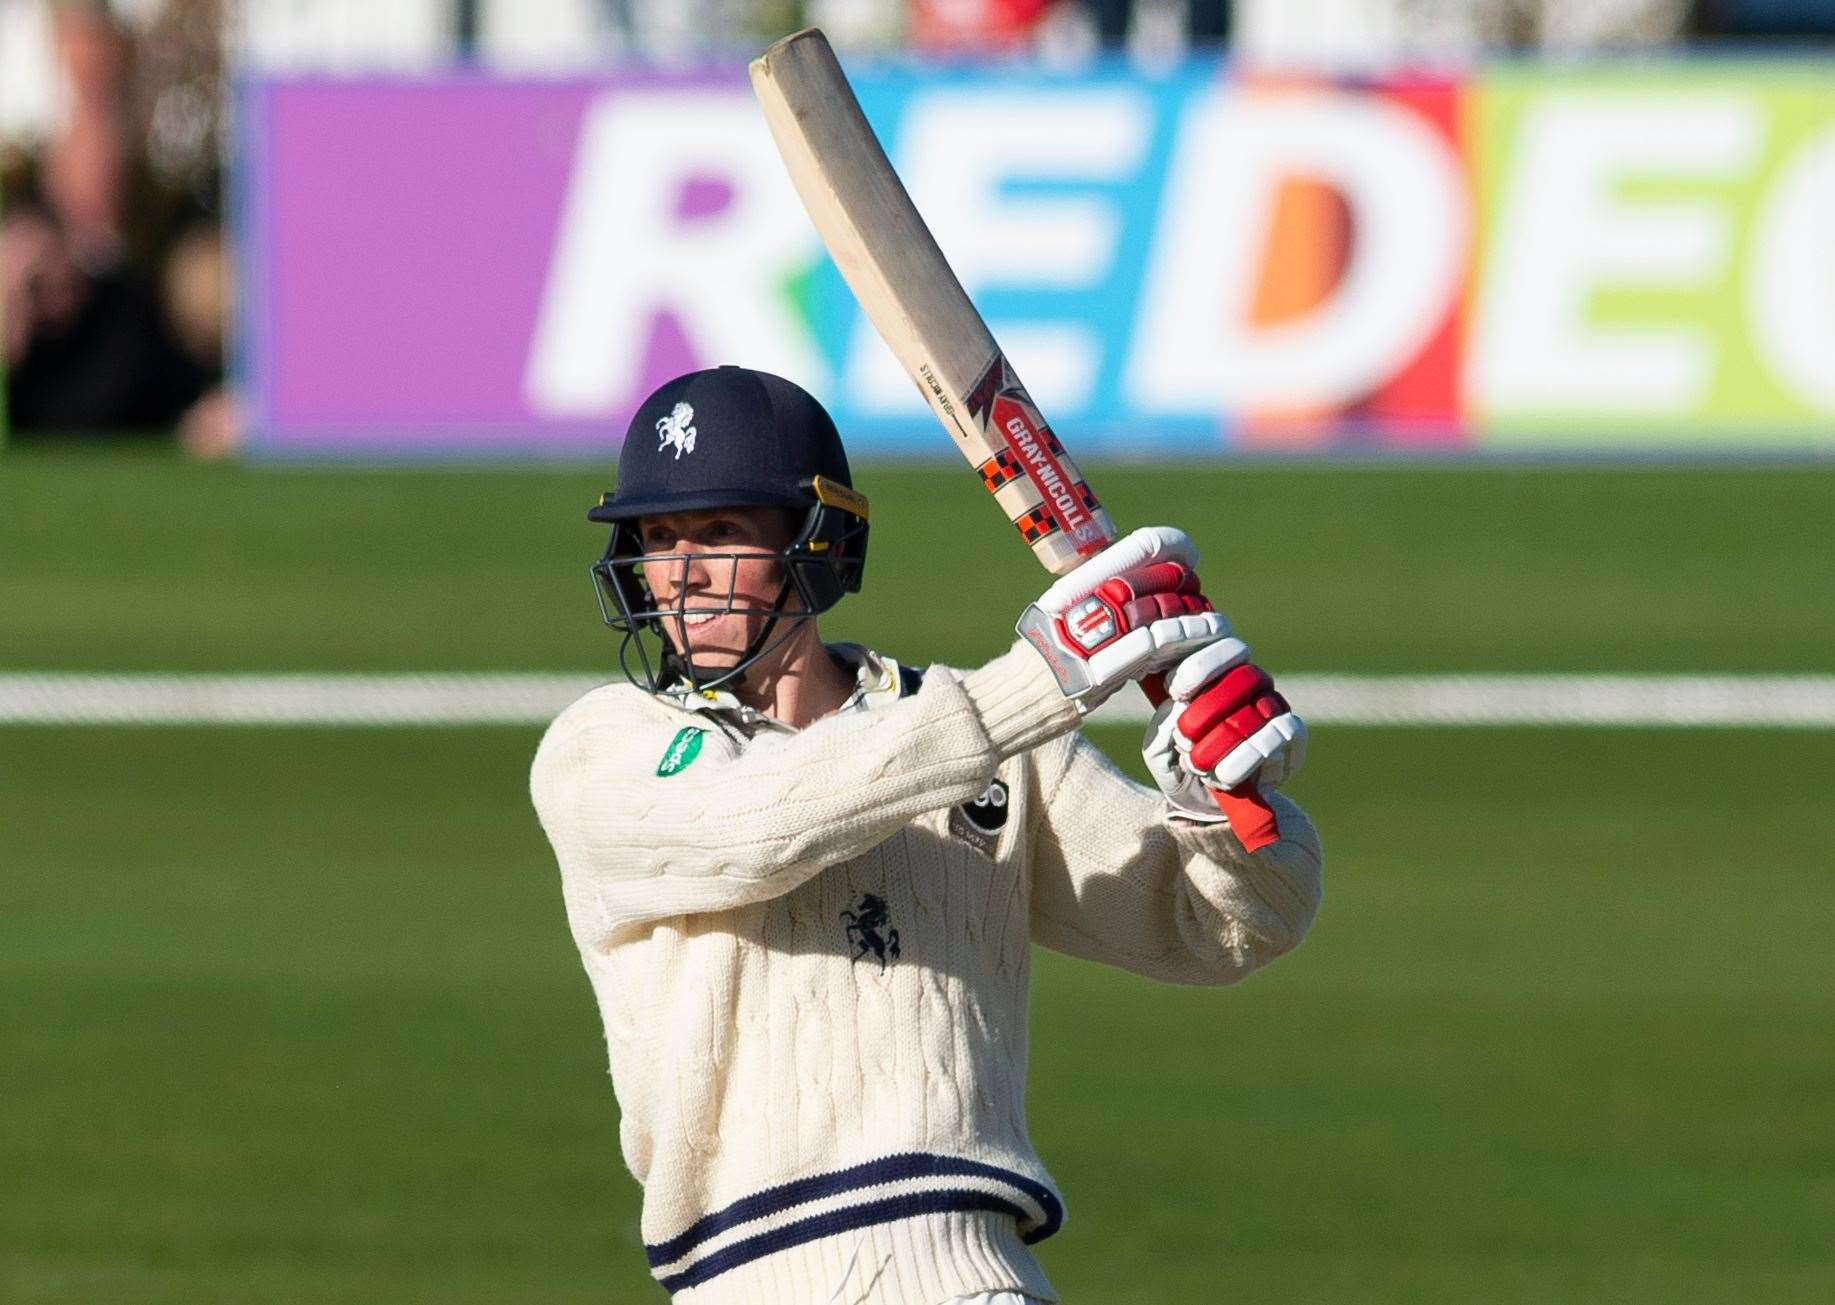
(908, 291)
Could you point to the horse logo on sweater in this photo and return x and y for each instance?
(868, 930)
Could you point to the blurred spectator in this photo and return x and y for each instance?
(84, 174)
(87, 349)
(854, 24)
(196, 296)
(1375, 32)
(1206, 22)
(674, 31)
(112, 282)
(176, 105)
(1788, 19)
(1561, 26)
(979, 26)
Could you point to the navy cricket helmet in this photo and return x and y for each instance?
(729, 437)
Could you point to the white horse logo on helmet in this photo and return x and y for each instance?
(675, 430)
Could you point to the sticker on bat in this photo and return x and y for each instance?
(1000, 403)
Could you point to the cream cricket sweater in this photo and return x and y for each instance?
(810, 953)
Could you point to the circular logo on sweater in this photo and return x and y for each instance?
(988, 813)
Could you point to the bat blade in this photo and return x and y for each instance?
(908, 291)
(911, 295)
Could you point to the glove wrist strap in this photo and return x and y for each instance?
(1040, 629)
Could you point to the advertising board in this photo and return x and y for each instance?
(1631, 258)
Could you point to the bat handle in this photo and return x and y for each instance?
(1251, 818)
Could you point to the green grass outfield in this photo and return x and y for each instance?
(293, 1015)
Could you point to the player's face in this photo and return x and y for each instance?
(709, 561)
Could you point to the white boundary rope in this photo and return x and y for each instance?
(1716, 701)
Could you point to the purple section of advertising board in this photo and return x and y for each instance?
(397, 239)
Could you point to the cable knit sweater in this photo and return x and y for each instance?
(810, 953)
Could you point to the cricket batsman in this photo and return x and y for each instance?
(804, 878)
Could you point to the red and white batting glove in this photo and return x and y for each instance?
(1132, 610)
(1222, 726)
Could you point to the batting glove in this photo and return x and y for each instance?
(1222, 726)
(1132, 610)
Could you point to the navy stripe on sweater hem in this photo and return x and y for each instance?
(889, 1169)
(848, 1218)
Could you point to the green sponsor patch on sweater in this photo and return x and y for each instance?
(682, 749)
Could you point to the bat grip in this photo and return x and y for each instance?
(1251, 818)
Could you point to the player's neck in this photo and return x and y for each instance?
(801, 684)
